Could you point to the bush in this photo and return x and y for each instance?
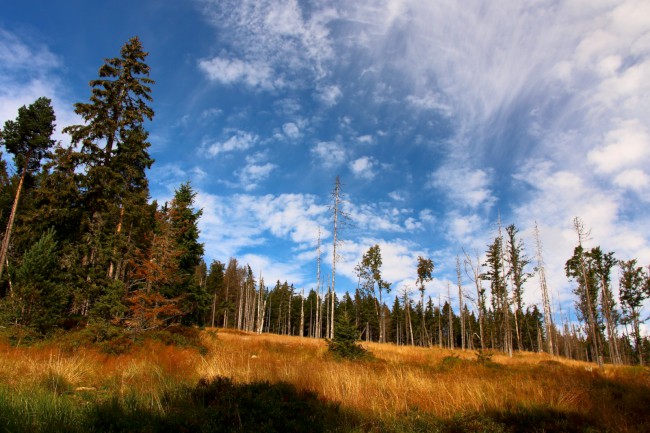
(344, 344)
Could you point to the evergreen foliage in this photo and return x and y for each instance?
(84, 246)
(345, 342)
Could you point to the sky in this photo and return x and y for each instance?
(441, 119)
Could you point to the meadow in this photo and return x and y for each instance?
(237, 381)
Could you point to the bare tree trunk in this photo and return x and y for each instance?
(12, 216)
(318, 286)
(111, 266)
(609, 323)
(225, 307)
(337, 203)
(548, 317)
(328, 316)
(451, 322)
(289, 315)
(214, 306)
(582, 234)
(475, 276)
(302, 313)
(460, 305)
(239, 308)
(439, 322)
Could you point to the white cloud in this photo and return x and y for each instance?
(397, 195)
(282, 36)
(429, 102)
(229, 71)
(625, 147)
(364, 167)
(399, 262)
(239, 140)
(255, 171)
(273, 271)
(291, 130)
(365, 139)
(232, 224)
(211, 113)
(634, 179)
(16, 54)
(27, 72)
(465, 187)
(330, 95)
(379, 218)
(329, 154)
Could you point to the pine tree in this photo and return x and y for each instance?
(28, 139)
(38, 301)
(579, 269)
(424, 270)
(631, 285)
(517, 262)
(500, 302)
(371, 273)
(602, 264)
(215, 285)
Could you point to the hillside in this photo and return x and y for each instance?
(242, 381)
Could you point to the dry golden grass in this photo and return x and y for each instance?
(399, 380)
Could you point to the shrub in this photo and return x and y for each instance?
(344, 344)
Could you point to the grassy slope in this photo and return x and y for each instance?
(277, 383)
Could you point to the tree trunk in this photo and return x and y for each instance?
(12, 216)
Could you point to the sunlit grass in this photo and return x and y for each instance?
(399, 382)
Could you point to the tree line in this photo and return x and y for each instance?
(84, 245)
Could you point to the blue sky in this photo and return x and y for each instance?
(438, 117)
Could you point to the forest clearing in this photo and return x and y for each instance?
(480, 262)
(239, 381)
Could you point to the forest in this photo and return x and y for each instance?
(85, 247)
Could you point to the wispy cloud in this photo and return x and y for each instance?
(329, 154)
(254, 172)
(363, 167)
(288, 40)
(230, 71)
(232, 224)
(238, 140)
(463, 186)
(28, 71)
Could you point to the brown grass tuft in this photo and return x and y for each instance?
(399, 381)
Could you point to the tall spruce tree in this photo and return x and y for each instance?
(184, 220)
(517, 262)
(114, 155)
(500, 302)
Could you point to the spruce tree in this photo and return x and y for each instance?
(114, 155)
(517, 262)
(184, 220)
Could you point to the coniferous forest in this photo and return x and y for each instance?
(84, 246)
(111, 320)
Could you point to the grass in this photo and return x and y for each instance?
(249, 382)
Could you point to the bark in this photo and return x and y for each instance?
(12, 216)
